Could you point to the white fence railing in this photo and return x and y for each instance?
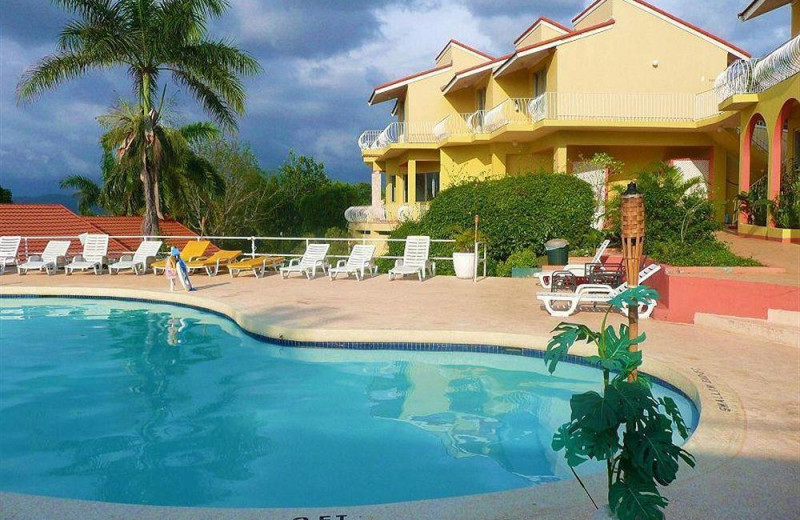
(454, 124)
(757, 75)
(278, 246)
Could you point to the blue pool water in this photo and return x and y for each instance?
(156, 404)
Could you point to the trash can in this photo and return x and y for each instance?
(557, 251)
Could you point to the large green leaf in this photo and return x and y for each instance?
(675, 414)
(559, 345)
(633, 296)
(652, 451)
(634, 399)
(636, 499)
(617, 355)
(594, 411)
(580, 444)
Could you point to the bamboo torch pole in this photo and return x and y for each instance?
(633, 229)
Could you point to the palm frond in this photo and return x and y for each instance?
(217, 107)
(53, 70)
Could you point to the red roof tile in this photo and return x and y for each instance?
(55, 220)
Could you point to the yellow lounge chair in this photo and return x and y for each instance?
(214, 262)
(193, 250)
(258, 265)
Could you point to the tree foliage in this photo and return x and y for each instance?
(5, 196)
(625, 425)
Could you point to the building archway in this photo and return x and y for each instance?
(754, 159)
(784, 144)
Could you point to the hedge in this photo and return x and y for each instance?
(517, 213)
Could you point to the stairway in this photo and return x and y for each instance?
(781, 326)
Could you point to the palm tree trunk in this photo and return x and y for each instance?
(150, 220)
(157, 193)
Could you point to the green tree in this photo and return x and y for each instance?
(180, 172)
(5, 196)
(87, 192)
(297, 177)
(324, 208)
(148, 38)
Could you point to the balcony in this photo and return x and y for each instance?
(388, 213)
(757, 75)
(634, 108)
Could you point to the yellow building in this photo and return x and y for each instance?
(765, 94)
(627, 79)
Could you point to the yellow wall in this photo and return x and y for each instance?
(539, 34)
(601, 13)
(621, 59)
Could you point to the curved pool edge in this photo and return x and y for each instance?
(718, 438)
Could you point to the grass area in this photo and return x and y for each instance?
(707, 253)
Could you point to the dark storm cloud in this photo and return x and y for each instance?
(321, 60)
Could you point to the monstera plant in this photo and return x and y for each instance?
(626, 425)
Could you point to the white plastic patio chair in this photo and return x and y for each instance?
(415, 259)
(53, 257)
(594, 294)
(9, 247)
(140, 260)
(313, 258)
(546, 278)
(95, 249)
(358, 263)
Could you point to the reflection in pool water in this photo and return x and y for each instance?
(156, 404)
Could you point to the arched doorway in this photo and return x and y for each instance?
(753, 167)
(784, 154)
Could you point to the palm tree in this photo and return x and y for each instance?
(148, 37)
(87, 192)
(168, 153)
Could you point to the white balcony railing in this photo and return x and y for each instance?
(757, 75)
(365, 214)
(564, 106)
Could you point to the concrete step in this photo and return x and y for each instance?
(781, 317)
(754, 328)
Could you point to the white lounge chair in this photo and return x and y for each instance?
(415, 259)
(358, 263)
(95, 249)
(313, 258)
(53, 257)
(594, 294)
(9, 247)
(140, 260)
(546, 278)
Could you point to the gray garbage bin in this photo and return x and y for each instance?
(557, 251)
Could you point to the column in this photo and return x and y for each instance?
(411, 179)
(560, 159)
(744, 164)
(376, 189)
(717, 179)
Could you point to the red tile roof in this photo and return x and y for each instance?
(55, 220)
(463, 46)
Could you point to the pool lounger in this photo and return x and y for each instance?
(258, 265)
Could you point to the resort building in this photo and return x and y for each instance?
(765, 94)
(626, 79)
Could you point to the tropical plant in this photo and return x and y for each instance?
(525, 258)
(132, 137)
(754, 203)
(87, 192)
(626, 425)
(465, 241)
(786, 207)
(148, 38)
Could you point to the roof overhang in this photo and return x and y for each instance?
(397, 89)
(528, 57)
(759, 7)
(471, 50)
(472, 76)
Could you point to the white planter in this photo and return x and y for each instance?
(464, 265)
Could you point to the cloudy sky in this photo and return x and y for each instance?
(321, 59)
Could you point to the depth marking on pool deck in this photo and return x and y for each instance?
(716, 394)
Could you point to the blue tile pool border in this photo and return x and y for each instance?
(357, 345)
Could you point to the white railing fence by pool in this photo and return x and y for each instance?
(280, 244)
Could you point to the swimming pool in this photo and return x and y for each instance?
(146, 403)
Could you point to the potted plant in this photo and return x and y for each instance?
(464, 254)
(625, 425)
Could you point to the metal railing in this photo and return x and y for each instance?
(480, 251)
(406, 132)
(757, 75)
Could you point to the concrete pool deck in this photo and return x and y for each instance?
(747, 443)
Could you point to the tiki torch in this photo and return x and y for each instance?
(633, 227)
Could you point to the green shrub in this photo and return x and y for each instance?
(676, 211)
(523, 258)
(705, 253)
(518, 212)
(325, 206)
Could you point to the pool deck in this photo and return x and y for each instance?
(747, 444)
